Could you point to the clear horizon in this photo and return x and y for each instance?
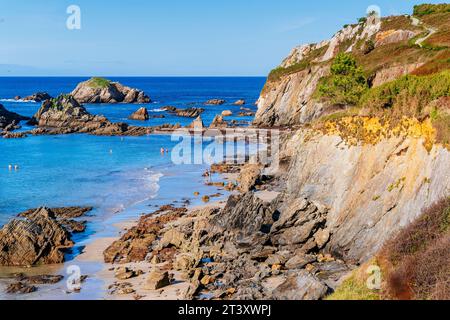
(171, 39)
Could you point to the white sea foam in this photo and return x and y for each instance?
(157, 110)
(18, 100)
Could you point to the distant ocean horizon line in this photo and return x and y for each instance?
(132, 76)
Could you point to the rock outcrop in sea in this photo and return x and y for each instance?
(100, 90)
(9, 120)
(64, 115)
(37, 97)
(140, 114)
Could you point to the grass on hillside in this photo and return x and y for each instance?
(279, 72)
(355, 288)
(427, 9)
(97, 82)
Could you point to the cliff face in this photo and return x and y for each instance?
(374, 175)
(371, 190)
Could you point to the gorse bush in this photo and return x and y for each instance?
(346, 83)
(408, 95)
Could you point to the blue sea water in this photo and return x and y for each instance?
(108, 173)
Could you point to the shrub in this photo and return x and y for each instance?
(426, 9)
(346, 83)
(408, 95)
(419, 258)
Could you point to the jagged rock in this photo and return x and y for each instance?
(171, 238)
(37, 239)
(393, 36)
(218, 122)
(37, 97)
(299, 261)
(157, 280)
(246, 214)
(215, 102)
(98, 90)
(300, 285)
(239, 102)
(64, 115)
(321, 237)
(197, 123)
(227, 113)
(8, 118)
(246, 114)
(21, 288)
(248, 177)
(125, 273)
(140, 114)
(169, 108)
(40, 279)
(189, 113)
(297, 223)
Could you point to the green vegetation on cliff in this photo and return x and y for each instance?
(426, 9)
(97, 82)
(346, 83)
(408, 95)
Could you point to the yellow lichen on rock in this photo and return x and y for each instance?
(371, 130)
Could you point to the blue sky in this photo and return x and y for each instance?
(169, 37)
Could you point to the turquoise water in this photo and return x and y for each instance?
(108, 173)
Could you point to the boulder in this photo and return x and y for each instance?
(173, 237)
(215, 102)
(248, 177)
(157, 280)
(227, 113)
(140, 114)
(300, 285)
(36, 239)
(99, 90)
(239, 102)
(37, 97)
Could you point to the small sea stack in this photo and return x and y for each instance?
(140, 114)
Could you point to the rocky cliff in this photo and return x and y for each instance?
(374, 171)
(385, 48)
